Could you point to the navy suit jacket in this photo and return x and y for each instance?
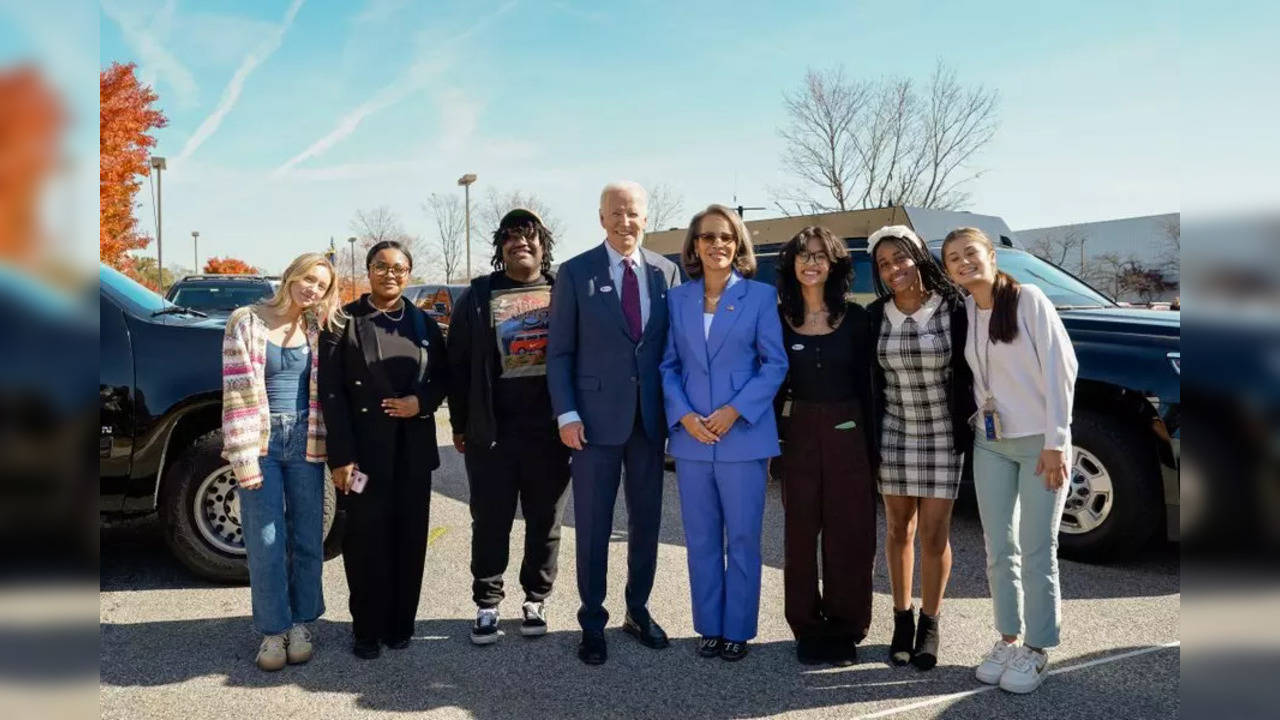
(593, 365)
(742, 362)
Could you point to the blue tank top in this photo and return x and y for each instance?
(288, 377)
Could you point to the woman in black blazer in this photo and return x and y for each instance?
(383, 373)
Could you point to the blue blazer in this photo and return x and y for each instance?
(741, 363)
(593, 365)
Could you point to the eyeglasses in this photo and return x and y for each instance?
(381, 268)
(714, 238)
(813, 258)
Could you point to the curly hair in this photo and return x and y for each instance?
(839, 275)
(525, 224)
(931, 273)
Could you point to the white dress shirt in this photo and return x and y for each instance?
(616, 270)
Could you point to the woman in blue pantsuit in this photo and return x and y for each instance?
(723, 365)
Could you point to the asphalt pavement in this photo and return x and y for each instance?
(174, 646)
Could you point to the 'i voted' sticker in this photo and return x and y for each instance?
(606, 288)
(797, 346)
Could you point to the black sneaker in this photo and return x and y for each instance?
(733, 651)
(485, 629)
(811, 651)
(709, 647)
(842, 651)
(535, 619)
(925, 655)
(904, 630)
(366, 649)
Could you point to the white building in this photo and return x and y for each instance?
(1101, 253)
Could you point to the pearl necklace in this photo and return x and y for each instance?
(387, 313)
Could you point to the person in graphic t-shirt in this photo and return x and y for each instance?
(500, 411)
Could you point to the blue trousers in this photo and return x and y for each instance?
(722, 501)
(1020, 519)
(283, 522)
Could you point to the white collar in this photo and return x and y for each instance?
(616, 258)
(921, 315)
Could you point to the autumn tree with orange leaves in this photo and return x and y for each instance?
(228, 266)
(127, 117)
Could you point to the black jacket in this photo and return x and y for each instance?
(353, 382)
(959, 394)
(472, 364)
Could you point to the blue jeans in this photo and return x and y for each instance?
(1020, 519)
(283, 522)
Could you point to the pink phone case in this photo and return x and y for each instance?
(358, 480)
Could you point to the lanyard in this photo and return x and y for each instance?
(984, 364)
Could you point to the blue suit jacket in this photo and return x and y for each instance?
(593, 366)
(741, 363)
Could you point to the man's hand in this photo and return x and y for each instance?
(721, 420)
(574, 435)
(405, 407)
(694, 425)
(1053, 466)
(460, 442)
(341, 477)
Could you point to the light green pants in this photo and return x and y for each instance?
(1020, 525)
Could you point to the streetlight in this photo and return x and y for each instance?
(195, 250)
(352, 240)
(465, 181)
(157, 164)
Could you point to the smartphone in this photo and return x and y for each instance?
(358, 480)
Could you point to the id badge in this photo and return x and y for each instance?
(991, 421)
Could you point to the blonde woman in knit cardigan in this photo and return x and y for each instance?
(1024, 376)
(273, 435)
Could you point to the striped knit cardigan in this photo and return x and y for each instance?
(246, 418)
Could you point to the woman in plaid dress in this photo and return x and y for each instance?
(921, 405)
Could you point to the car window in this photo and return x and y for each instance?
(137, 298)
(1063, 289)
(220, 297)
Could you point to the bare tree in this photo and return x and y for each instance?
(1104, 273)
(1065, 249)
(1169, 250)
(497, 203)
(375, 225)
(665, 207)
(856, 144)
(451, 224)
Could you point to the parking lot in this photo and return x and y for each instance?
(176, 646)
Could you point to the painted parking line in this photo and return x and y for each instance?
(987, 688)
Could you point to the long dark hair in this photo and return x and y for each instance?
(525, 223)
(839, 276)
(931, 273)
(1004, 292)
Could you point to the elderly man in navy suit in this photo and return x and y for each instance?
(608, 330)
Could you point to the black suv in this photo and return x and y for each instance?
(160, 407)
(218, 295)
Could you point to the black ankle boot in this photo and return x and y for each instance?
(926, 650)
(904, 630)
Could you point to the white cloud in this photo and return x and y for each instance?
(231, 93)
(155, 61)
(411, 81)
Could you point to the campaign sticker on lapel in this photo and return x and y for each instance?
(730, 308)
(797, 347)
(606, 288)
(426, 342)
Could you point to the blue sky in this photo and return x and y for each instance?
(288, 115)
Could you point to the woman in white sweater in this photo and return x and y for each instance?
(1024, 374)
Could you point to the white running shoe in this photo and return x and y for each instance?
(1026, 670)
(995, 662)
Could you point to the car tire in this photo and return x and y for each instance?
(211, 545)
(1114, 504)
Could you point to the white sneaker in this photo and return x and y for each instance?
(485, 630)
(271, 653)
(995, 662)
(1026, 670)
(535, 619)
(298, 640)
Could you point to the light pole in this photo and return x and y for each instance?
(352, 241)
(465, 181)
(195, 251)
(157, 164)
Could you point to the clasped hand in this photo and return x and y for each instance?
(710, 429)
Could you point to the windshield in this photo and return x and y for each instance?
(138, 298)
(1063, 289)
(221, 297)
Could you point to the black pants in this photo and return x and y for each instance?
(597, 470)
(384, 548)
(828, 495)
(533, 468)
